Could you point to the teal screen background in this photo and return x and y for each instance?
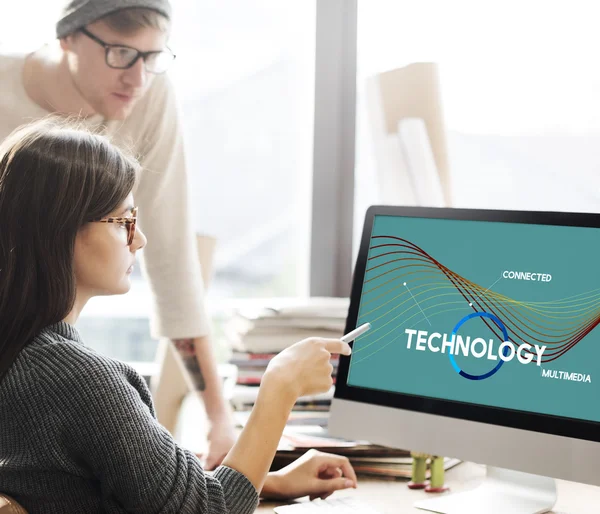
(475, 254)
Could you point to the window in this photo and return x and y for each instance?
(520, 96)
(245, 78)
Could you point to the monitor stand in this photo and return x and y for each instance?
(503, 491)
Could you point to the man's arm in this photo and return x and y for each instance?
(187, 351)
(171, 260)
(199, 361)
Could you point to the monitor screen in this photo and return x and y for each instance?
(479, 312)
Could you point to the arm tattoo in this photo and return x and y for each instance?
(187, 352)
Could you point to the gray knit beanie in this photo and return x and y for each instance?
(79, 13)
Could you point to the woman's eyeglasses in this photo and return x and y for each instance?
(124, 57)
(129, 222)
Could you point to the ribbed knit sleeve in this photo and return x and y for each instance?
(109, 427)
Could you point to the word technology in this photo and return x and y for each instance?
(478, 347)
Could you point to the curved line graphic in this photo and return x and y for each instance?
(557, 324)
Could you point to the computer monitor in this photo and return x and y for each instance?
(483, 346)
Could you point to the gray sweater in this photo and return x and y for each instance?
(78, 434)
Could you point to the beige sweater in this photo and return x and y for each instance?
(153, 132)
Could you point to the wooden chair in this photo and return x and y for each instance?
(10, 506)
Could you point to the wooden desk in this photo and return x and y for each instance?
(393, 497)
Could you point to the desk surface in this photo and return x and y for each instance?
(393, 497)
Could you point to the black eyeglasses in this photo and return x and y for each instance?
(124, 57)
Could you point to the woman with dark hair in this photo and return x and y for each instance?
(78, 432)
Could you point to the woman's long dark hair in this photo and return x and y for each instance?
(54, 178)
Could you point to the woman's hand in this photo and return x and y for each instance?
(315, 474)
(304, 368)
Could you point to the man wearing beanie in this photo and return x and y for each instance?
(108, 65)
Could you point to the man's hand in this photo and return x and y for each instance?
(221, 438)
(315, 474)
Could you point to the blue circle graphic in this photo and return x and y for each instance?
(454, 332)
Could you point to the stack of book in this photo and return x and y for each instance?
(366, 459)
(251, 366)
(258, 331)
(303, 433)
(244, 398)
(270, 327)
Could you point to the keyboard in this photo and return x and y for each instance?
(345, 505)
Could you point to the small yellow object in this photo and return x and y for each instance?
(419, 470)
(420, 455)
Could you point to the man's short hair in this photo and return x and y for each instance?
(123, 15)
(127, 21)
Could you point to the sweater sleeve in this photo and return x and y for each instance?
(113, 433)
(170, 258)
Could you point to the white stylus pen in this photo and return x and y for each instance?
(351, 336)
